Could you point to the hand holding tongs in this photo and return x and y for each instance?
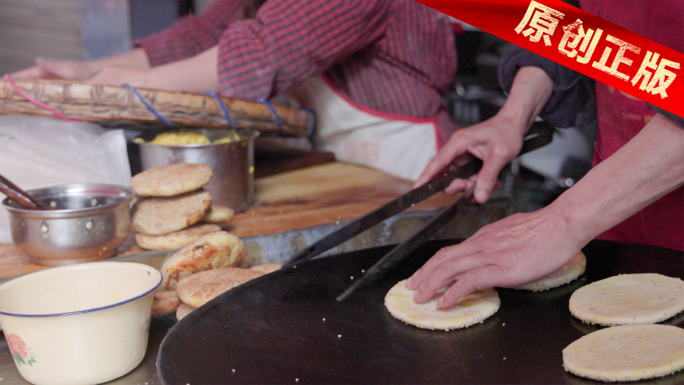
(538, 136)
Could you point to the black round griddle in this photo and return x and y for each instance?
(271, 330)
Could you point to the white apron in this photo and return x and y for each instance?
(396, 144)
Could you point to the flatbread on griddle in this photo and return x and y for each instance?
(171, 180)
(159, 216)
(566, 274)
(627, 353)
(472, 309)
(629, 299)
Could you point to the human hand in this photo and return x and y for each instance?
(56, 69)
(513, 251)
(495, 141)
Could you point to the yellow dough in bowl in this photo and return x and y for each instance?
(180, 138)
(232, 136)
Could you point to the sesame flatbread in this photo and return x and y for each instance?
(159, 216)
(267, 268)
(164, 302)
(629, 299)
(202, 287)
(182, 311)
(627, 353)
(566, 274)
(218, 214)
(175, 240)
(472, 309)
(219, 249)
(171, 180)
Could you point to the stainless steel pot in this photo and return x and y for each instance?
(89, 223)
(233, 164)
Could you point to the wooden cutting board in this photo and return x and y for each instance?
(292, 200)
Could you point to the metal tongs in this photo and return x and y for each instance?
(539, 135)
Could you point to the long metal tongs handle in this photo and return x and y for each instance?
(378, 215)
(539, 135)
(403, 250)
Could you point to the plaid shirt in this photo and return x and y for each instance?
(394, 56)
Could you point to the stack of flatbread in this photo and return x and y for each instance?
(174, 211)
(201, 271)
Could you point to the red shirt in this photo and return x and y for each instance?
(394, 56)
(621, 117)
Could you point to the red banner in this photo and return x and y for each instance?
(583, 42)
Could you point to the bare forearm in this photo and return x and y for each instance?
(648, 167)
(196, 74)
(498, 140)
(531, 89)
(136, 58)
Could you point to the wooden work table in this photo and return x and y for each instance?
(293, 200)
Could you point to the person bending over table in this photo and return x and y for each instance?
(634, 193)
(374, 71)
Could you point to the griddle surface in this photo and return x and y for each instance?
(271, 330)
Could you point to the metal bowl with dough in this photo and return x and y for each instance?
(232, 163)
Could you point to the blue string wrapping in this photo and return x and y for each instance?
(152, 110)
(279, 122)
(273, 111)
(223, 107)
(312, 121)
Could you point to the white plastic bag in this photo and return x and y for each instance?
(41, 152)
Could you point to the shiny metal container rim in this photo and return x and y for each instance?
(74, 189)
(246, 135)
